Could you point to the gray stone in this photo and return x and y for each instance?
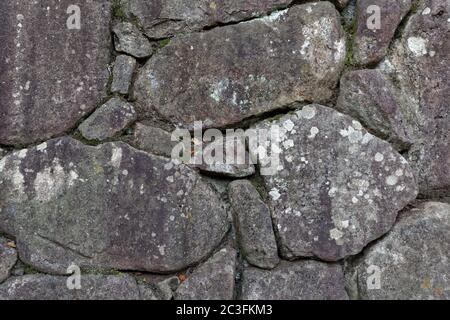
(371, 44)
(336, 188)
(233, 161)
(47, 287)
(368, 96)
(109, 206)
(228, 74)
(108, 121)
(152, 139)
(8, 258)
(50, 76)
(430, 160)
(128, 39)
(214, 280)
(419, 65)
(302, 280)
(165, 18)
(163, 290)
(2, 153)
(412, 261)
(122, 74)
(253, 225)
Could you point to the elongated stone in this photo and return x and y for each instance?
(165, 18)
(253, 225)
(228, 74)
(46, 287)
(303, 280)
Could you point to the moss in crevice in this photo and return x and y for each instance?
(162, 43)
(117, 10)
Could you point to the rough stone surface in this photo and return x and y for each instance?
(420, 66)
(413, 259)
(214, 280)
(163, 290)
(109, 206)
(234, 72)
(337, 187)
(253, 225)
(108, 121)
(233, 160)
(165, 18)
(122, 74)
(152, 139)
(128, 39)
(46, 287)
(368, 96)
(303, 280)
(371, 44)
(430, 159)
(50, 76)
(8, 258)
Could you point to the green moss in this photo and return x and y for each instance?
(117, 10)
(29, 270)
(350, 30)
(163, 43)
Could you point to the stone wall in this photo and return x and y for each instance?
(93, 205)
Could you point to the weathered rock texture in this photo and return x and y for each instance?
(228, 74)
(214, 280)
(368, 96)
(8, 258)
(106, 207)
(233, 147)
(75, 79)
(46, 287)
(122, 74)
(153, 140)
(373, 37)
(253, 225)
(108, 121)
(337, 187)
(303, 280)
(165, 18)
(50, 76)
(412, 261)
(128, 39)
(406, 99)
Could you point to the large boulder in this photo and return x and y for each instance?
(337, 187)
(214, 280)
(228, 74)
(109, 206)
(46, 287)
(302, 280)
(411, 262)
(50, 75)
(165, 18)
